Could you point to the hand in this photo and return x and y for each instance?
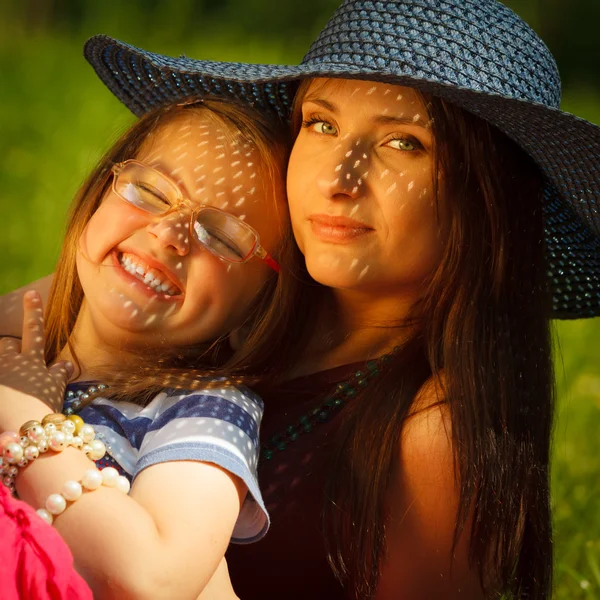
(23, 367)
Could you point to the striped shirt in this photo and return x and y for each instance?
(218, 425)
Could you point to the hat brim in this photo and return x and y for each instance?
(565, 147)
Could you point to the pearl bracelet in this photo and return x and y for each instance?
(92, 479)
(55, 432)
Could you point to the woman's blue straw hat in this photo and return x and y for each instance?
(477, 54)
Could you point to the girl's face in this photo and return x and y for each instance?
(200, 296)
(360, 187)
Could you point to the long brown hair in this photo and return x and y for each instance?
(482, 322)
(176, 367)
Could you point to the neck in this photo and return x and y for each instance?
(354, 327)
(97, 352)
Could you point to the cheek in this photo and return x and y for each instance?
(297, 196)
(220, 294)
(298, 174)
(112, 223)
(417, 238)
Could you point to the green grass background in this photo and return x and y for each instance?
(56, 119)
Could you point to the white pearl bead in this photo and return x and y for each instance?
(12, 471)
(72, 490)
(68, 438)
(77, 442)
(68, 427)
(56, 504)
(31, 452)
(109, 476)
(23, 463)
(98, 450)
(36, 434)
(92, 479)
(42, 446)
(123, 484)
(42, 512)
(13, 453)
(24, 441)
(86, 449)
(57, 441)
(87, 434)
(49, 428)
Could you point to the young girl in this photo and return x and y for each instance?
(165, 254)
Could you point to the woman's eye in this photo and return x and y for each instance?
(320, 126)
(406, 144)
(326, 128)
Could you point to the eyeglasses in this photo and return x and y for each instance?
(220, 232)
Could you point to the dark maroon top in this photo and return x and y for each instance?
(290, 562)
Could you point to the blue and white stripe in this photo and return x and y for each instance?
(218, 425)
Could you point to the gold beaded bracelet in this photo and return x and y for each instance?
(55, 432)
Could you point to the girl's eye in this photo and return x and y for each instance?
(152, 195)
(406, 144)
(319, 126)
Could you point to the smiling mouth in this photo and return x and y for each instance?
(153, 278)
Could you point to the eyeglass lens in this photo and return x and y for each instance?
(222, 233)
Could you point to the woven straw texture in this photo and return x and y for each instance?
(475, 53)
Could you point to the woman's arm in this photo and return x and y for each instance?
(11, 306)
(422, 505)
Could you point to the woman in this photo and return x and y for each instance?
(428, 230)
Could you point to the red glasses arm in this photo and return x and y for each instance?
(264, 255)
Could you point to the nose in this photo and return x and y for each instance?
(172, 231)
(345, 172)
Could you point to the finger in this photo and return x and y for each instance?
(62, 370)
(60, 373)
(33, 323)
(10, 345)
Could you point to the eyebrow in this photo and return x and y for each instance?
(379, 119)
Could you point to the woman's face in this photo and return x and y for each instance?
(360, 187)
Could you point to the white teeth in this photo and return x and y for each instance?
(148, 278)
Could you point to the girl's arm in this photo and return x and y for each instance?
(164, 540)
(422, 503)
(11, 306)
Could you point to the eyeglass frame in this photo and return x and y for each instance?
(258, 250)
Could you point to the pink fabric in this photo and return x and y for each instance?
(35, 562)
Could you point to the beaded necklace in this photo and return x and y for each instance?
(322, 413)
(81, 397)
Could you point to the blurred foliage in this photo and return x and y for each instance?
(57, 119)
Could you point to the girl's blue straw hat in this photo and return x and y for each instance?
(477, 54)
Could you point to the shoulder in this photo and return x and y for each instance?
(215, 398)
(427, 433)
(200, 424)
(425, 451)
(421, 507)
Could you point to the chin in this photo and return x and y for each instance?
(338, 272)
